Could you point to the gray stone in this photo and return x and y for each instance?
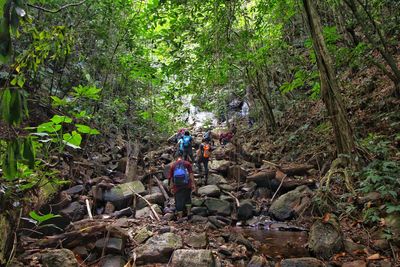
(325, 238)
(245, 210)
(189, 257)
(220, 166)
(218, 206)
(217, 223)
(127, 212)
(158, 249)
(197, 202)
(198, 219)
(302, 262)
(292, 203)
(113, 261)
(197, 240)
(216, 179)
(202, 211)
(262, 193)
(77, 189)
(75, 211)
(146, 212)
(209, 190)
(81, 251)
(226, 187)
(142, 235)
(121, 195)
(154, 198)
(57, 257)
(350, 246)
(112, 245)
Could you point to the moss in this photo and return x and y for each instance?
(5, 231)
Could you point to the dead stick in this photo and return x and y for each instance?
(273, 164)
(161, 188)
(235, 198)
(89, 209)
(279, 187)
(147, 202)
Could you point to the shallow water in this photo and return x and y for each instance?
(279, 244)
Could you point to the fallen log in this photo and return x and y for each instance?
(296, 170)
(162, 189)
(263, 179)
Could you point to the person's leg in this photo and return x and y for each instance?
(180, 199)
(190, 152)
(188, 201)
(185, 154)
(205, 162)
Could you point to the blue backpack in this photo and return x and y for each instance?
(181, 175)
(186, 140)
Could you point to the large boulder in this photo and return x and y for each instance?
(209, 190)
(57, 257)
(245, 210)
(121, 195)
(189, 257)
(158, 249)
(75, 211)
(292, 203)
(155, 198)
(302, 262)
(325, 238)
(220, 166)
(218, 206)
(215, 179)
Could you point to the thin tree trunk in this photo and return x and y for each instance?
(344, 138)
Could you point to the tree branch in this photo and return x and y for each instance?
(56, 10)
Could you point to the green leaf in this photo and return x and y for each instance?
(29, 152)
(10, 162)
(86, 129)
(42, 218)
(58, 102)
(73, 138)
(49, 127)
(57, 119)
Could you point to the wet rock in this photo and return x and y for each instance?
(142, 235)
(302, 262)
(237, 173)
(121, 195)
(358, 263)
(75, 211)
(262, 193)
(146, 212)
(264, 179)
(168, 217)
(112, 245)
(218, 206)
(189, 257)
(197, 240)
(209, 190)
(350, 246)
(240, 239)
(325, 238)
(198, 219)
(258, 261)
(57, 257)
(154, 198)
(217, 223)
(226, 198)
(158, 249)
(202, 211)
(216, 179)
(245, 210)
(77, 189)
(292, 203)
(112, 261)
(226, 187)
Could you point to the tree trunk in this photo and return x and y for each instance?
(344, 138)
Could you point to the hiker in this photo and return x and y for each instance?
(225, 138)
(208, 136)
(179, 135)
(187, 141)
(204, 157)
(179, 147)
(181, 181)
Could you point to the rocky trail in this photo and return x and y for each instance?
(250, 213)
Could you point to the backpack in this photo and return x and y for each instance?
(207, 135)
(186, 140)
(180, 144)
(206, 151)
(181, 174)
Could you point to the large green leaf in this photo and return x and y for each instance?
(86, 129)
(57, 119)
(73, 138)
(42, 218)
(49, 127)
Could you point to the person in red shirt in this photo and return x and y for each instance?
(181, 180)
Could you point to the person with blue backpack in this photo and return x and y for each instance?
(181, 180)
(187, 141)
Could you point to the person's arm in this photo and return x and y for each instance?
(194, 188)
(170, 180)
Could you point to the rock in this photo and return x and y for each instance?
(358, 263)
(75, 211)
(262, 193)
(121, 195)
(221, 166)
(245, 210)
(142, 235)
(216, 179)
(264, 179)
(57, 257)
(198, 219)
(226, 187)
(109, 208)
(350, 246)
(197, 240)
(158, 249)
(112, 261)
(325, 238)
(240, 239)
(302, 262)
(292, 203)
(81, 251)
(168, 217)
(197, 202)
(77, 189)
(166, 157)
(218, 206)
(166, 170)
(127, 212)
(189, 257)
(202, 211)
(370, 197)
(237, 173)
(209, 190)
(146, 212)
(217, 223)
(258, 261)
(154, 198)
(112, 245)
